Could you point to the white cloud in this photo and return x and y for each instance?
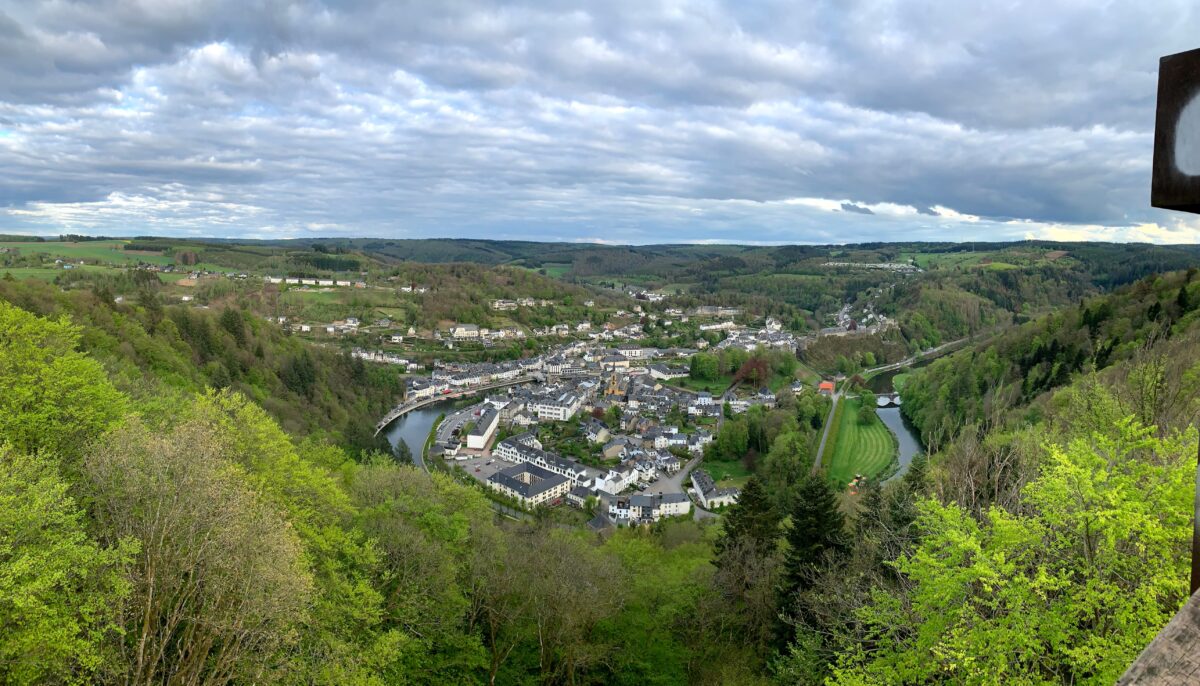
(635, 120)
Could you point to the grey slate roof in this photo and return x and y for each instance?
(541, 480)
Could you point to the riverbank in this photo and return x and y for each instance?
(908, 445)
(858, 447)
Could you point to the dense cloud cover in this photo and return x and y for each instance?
(623, 121)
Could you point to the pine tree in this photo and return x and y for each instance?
(915, 479)
(817, 530)
(752, 519)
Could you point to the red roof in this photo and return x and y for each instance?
(825, 386)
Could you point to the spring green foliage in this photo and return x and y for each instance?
(60, 591)
(978, 386)
(154, 350)
(1069, 590)
(788, 461)
(55, 398)
(205, 545)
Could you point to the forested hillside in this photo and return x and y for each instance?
(980, 386)
(1048, 541)
(160, 352)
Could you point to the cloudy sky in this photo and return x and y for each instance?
(630, 121)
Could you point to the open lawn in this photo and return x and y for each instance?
(731, 471)
(716, 387)
(856, 448)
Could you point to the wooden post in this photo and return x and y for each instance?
(1196, 527)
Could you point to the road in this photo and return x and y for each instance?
(913, 359)
(408, 406)
(678, 483)
(837, 394)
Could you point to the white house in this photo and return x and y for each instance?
(529, 484)
(484, 429)
(710, 496)
(617, 480)
(461, 332)
(642, 509)
(559, 409)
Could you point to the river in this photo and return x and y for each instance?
(413, 428)
(882, 382)
(906, 438)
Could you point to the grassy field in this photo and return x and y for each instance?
(726, 472)
(556, 270)
(856, 448)
(778, 382)
(807, 374)
(47, 273)
(104, 251)
(715, 387)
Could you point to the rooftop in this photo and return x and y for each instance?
(527, 479)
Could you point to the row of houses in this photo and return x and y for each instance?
(382, 357)
(507, 305)
(645, 509)
(298, 281)
(474, 332)
(525, 447)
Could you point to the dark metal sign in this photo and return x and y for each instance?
(1176, 184)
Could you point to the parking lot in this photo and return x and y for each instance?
(481, 463)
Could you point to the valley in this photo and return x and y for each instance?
(662, 434)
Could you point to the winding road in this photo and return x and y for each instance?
(408, 406)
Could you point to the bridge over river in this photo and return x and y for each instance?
(408, 406)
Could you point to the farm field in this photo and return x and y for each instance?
(556, 269)
(104, 251)
(865, 449)
(48, 273)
